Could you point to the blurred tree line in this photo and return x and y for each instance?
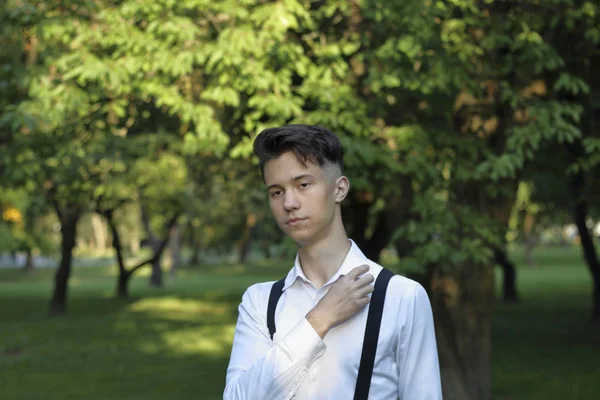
(463, 122)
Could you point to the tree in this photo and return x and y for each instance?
(87, 88)
(441, 106)
(21, 213)
(576, 38)
(573, 89)
(146, 174)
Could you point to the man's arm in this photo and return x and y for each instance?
(416, 356)
(259, 370)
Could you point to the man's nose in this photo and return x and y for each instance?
(290, 201)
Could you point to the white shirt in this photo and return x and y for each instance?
(298, 364)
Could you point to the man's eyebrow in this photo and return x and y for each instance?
(296, 178)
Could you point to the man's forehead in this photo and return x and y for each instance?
(288, 166)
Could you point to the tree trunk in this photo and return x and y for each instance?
(124, 274)
(577, 186)
(156, 278)
(194, 244)
(589, 254)
(195, 260)
(158, 247)
(123, 285)
(462, 304)
(591, 259)
(30, 217)
(122, 281)
(580, 214)
(509, 282)
(99, 232)
(175, 248)
(243, 249)
(68, 225)
(29, 265)
(243, 244)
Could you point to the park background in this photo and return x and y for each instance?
(133, 214)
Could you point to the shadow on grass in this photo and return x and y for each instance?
(172, 343)
(547, 346)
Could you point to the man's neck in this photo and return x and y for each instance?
(320, 260)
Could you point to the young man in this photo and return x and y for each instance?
(321, 315)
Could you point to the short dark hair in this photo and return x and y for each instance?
(309, 143)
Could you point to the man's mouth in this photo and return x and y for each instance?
(294, 221)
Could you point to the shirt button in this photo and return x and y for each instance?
(314, 378)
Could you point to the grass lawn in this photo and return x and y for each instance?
(546, 347)
(174, 343)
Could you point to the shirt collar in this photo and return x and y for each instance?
(354, 258)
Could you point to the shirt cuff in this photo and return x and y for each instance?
(304, 343)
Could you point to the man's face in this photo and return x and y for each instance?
(302, 197)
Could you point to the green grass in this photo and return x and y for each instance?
(174, 343)
(547, 347)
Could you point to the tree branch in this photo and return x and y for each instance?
(161, 247)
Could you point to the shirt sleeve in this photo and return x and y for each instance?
(417, 357)
(258, 368)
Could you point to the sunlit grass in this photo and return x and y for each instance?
(170, 343)
(207, 340)
(174, 343)
(178, 309)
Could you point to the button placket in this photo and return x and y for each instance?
(314, 370)
(297, 383)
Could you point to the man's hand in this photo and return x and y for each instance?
(347, 296)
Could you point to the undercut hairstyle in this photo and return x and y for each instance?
(309, 143)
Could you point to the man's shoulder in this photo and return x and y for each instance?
(398, 283)
(400, 286)
(259, 289)
(258, 294)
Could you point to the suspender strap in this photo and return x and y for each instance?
(276, 292)
(367, 359)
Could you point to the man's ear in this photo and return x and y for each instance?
(342, 186)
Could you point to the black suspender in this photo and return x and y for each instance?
(367, 359)
(276, 292)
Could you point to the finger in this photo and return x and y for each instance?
(362, 292)
(365, 280)
(363, 301)
(357, 271)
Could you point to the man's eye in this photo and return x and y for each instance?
(304, 184)
(275, 193)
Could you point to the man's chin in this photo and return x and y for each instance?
(300, 237)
